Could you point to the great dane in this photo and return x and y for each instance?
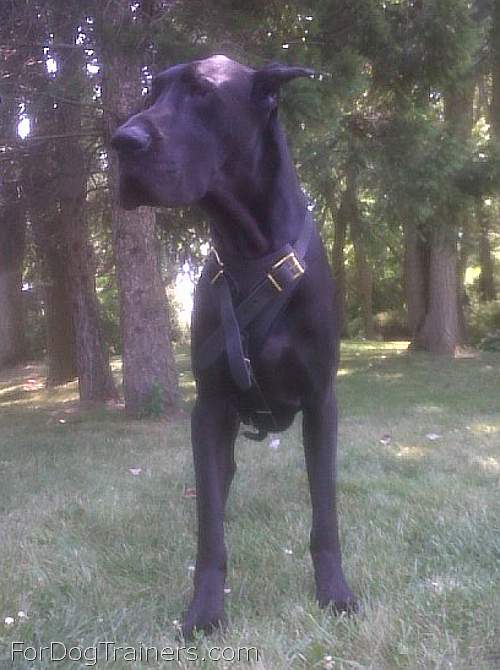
(264, 333)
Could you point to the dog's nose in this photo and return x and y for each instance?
(130, 140)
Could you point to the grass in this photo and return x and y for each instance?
(92, 552)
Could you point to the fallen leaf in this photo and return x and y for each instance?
(274, 443)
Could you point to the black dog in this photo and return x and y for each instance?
(264, 337)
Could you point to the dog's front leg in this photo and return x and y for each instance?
(320, 445)
(214, 425)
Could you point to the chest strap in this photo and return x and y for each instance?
(280, 274)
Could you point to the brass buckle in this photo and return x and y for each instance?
(220, 264)
(297, 269)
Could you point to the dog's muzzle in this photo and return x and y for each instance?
(131, 140)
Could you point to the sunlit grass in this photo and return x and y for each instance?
(97, 533)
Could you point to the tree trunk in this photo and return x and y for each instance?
(12, 239)
(487, 290)
(444, 326)
(462, 298)
(95, 382)
(439, 334)
(12, 229)
(40, 204)
(148, 361)
(338, 263)
(149, 372)
(416, 276)
(61, 353)
(94, 373)
(51, 250)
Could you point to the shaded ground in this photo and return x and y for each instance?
(98, 534)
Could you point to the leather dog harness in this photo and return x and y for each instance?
(261, 289)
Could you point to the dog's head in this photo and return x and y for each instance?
(202, 115)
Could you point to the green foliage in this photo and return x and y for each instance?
(110, 312)
(484, 323)
(419, 163)
(34, 325)
(154, 405)
(33, 304)
(449, 40)
(491, 342)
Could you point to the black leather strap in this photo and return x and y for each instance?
(280, 274)
(238, 363)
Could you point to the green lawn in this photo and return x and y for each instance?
(92, 552)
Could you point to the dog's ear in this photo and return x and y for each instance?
(268, 80)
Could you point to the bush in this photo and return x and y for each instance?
(355, 327)
(34, 324)
(491, 342)
(484, 323)
(154, 406)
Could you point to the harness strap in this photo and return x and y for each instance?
(238, 363)
(284, 271)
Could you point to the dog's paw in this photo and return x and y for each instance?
(201, 620)
(341, 601)
(205, 614)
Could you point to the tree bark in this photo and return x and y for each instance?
(338, 263)
(462, 257)
(94, 373)
(36, 167)
(444, 326)
(416, 279)
(12, 242)
(12, 234)
(148, 361)
(439, 334)
(51, 251)
(60, 332)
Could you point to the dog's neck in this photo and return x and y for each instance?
(256, 205)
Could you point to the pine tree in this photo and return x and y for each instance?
(148, 360)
